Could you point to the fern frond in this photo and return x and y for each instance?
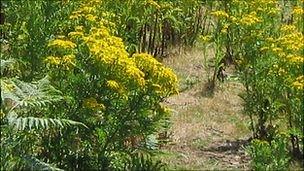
(6, 64)
(23, 94)
(29, 123)
(36, 164)
(143, 162)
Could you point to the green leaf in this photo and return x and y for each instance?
(22, 123)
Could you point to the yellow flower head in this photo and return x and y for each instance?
(298, 10)
(68, 60)
(250, 19)
(299, 83)
(91, 17)
(79, 28)
(113, 85)
(288, 28)
(52, 60)
(206, 38)
(75, 34)
(295, 59)
(225, 28)
(153, 4)
(65, 62)
(92, 103)
(75, 15)
(157, 73)
(220, 14)
(64, 44)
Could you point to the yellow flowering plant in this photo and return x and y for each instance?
(265, 39)
(100, 55)
(120, 94)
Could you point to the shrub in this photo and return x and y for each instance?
(269, 155)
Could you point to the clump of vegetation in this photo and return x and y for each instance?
(81, 86)
(272, 155)
(265, 42)
(114, 95)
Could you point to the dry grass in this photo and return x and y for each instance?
(203, 124)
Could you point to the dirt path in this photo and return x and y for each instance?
(208, 131)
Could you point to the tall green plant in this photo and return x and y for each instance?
(267, 47)
(28, 26)
(116, 95)
(22, 120)
(269, 155)
(153, 26)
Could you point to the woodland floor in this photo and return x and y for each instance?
(208, 131)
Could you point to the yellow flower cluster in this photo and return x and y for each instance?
(296, 59)
(53, 60)
(220, 14)
(90, 17)
(291, 39)
(225, 28)
(299, 83)
(108, 52)
(152, 3)
(250, 19)
(146, 63)
(167, 79)
(137, 74)
(84, 11)
(287, 28)
(298, 10)
(64, 44)
(102, 44)
(89, 11)
(92, 103)
(205, 39)
(113, 85)
(65, 62)
(157, 73)
(288, 46)
(75, 34)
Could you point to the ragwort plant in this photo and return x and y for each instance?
(116, 95)
(266, 38)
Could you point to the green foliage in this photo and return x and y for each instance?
(93, 83)
(143, 162)
(20, 101)
(22, 123)
(269, 156)
(153, 26)
(22, 94)
(35, 164)
(102, 77)
(31, 24)
(265, 43)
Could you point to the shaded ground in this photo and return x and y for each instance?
(208, 131)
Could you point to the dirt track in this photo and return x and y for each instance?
(208, 130)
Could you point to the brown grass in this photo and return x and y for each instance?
(202, 123)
